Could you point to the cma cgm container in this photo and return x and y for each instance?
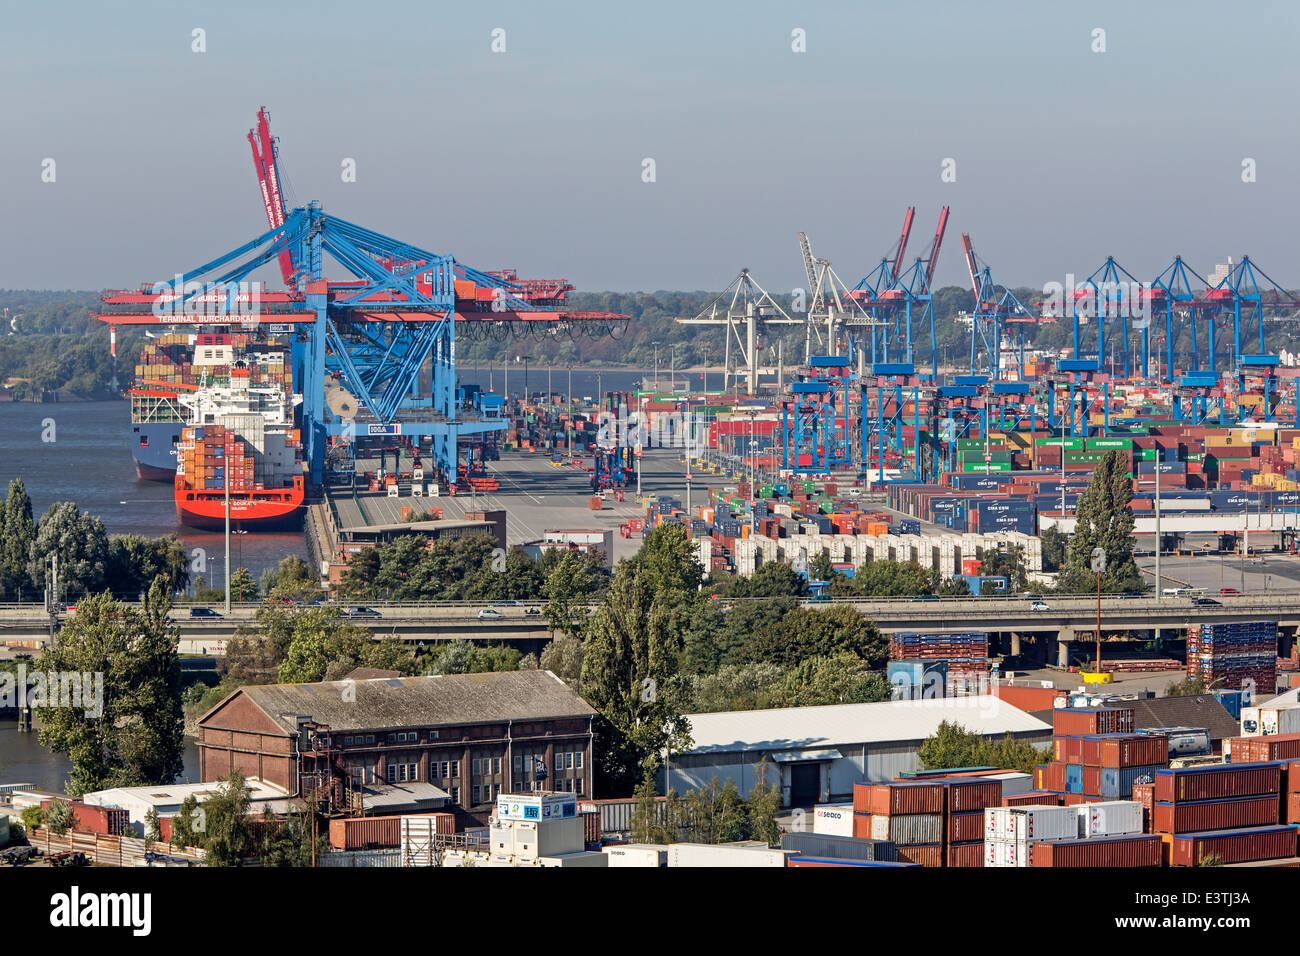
(1217, 781)
(1195, 816)
(1137, 850)
(839, 847)
(898, 798)
(1233, 846)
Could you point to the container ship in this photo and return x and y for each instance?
(243, 451)
(177, 364)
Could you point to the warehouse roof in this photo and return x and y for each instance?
(1197, 710)
(405, 701)
(832, 725)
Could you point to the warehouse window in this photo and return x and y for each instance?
(577, 760)
(455, 768)
(496, 765)
(455, 794)
(568, 760)
(476, 795)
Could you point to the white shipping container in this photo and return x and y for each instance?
(1265, 721)
(1109, 818)
(528, 841)
(1022, 824)
(908, 829)
(705, 854)
(581, 859)
(833, 819)
(636, 854)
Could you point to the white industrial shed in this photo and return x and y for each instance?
(818, 753)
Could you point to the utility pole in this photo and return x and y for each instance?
(226, 482)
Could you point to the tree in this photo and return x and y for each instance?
(630, 653)
(81, 544)
(889, 579)
(58, 818)
(17, 534)
(806, 632)
(288, 841)
(186, 826)
(134, 562)
(319, 638)
(1104, 519)
(953, 746)
(152, 826)
(242, 585)
(33, 817)
(1186, 688)
(128, 730)
(773, 579)
(1054, 543)
(227, 836)
(563, 658)
(647, 814)
(764, 804)
(291, 579)
(571, 583)
(820, 567)
(1009, 563)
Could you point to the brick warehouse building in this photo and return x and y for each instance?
(468, 736)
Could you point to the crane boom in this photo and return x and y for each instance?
(268, 178)
(971, 266)
(934, 249)
(897, 265)
(809, 267)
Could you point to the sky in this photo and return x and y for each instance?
(534, 158)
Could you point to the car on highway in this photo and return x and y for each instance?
(490, 614)
(203, 612)
(1206, 602)
(1229, 592)
(358, 612)
(926, 597)
(532, 612)
(1039, 606)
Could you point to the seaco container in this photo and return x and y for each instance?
(898, 798)
(1201, 815)
(1134, 850)
(833, 819)
(1233, 846)
(825, 845)
(1217, 781)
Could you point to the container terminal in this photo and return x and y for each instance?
(864, 448)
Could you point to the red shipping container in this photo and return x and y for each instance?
(898, 798)
(1124, 851)
(966, 827)
(591, 827)
(1134, 750)
(1292, 808)
(88, 818)
(1271, 747)
(965, 796)
(1089, 756)
(1193, 817)
(357, 833)
(1234, 846)
(1077, 799)
(966, 855)
(1070, 722)
(1032, 798)
(1053, 778)
(1092, 781)
(929, 854)
(862, 825)
(1217, 782)
(1145, 794)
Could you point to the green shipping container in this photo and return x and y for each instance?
(1109, 443)
(981, 467)
(1069, 444)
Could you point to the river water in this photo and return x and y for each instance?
(24, 760)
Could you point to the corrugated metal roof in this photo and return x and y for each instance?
(833, 725)
(387, 703)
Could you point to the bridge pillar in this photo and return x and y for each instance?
(1063, 639)
(1015, 644)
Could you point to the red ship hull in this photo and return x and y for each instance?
(278, 509)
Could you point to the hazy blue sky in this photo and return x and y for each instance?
(532, 159)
